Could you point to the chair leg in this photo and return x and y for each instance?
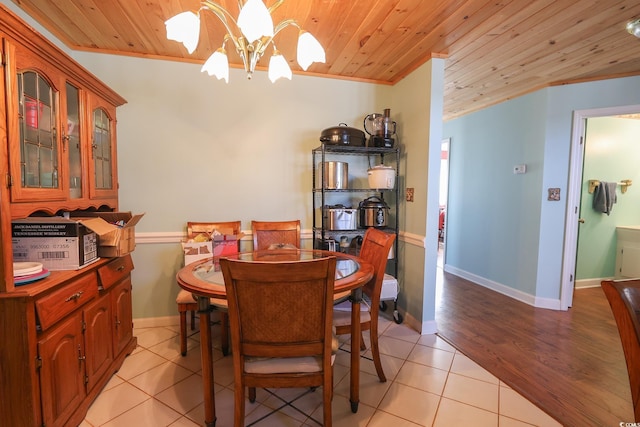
(224, 332)
(327, 391)
(373, 334)
(238, 407)
(363, 346)
(252, 394)
(183, 333)
(193, 320)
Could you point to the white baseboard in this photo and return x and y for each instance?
(548, 303)
(590, 283)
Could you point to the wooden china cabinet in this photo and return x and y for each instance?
(64, 336)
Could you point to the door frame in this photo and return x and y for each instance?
(447, 142)
(574, 192)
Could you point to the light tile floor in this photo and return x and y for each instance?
(429, 383)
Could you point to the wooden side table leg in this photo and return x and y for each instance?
(206, 349)
(354, 398)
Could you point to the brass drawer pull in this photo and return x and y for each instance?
(120, 268)
(74, 297)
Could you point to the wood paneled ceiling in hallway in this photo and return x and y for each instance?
(495, 50)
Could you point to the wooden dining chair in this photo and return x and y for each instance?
(280, 315)
(185, 299)
(376, 245)
(624, 299)
(270, 234)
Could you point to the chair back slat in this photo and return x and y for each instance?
(194, 228)
(376, 245)
(267, 234)
(280, 308)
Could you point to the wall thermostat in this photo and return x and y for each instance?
(519, 169)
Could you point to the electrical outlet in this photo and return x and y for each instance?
(409, 194)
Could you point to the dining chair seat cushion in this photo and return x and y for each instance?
(345, 305)
(273, 365)
(186, 297)
(343, 318)
(219, 304)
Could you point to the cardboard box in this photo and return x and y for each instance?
(222, 244)
(56, 242)
(116, 232)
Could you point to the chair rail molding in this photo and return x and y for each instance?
(180, 236)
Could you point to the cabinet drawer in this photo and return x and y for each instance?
(115, 271)
(57, 305)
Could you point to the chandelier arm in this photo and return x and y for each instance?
(275, 5)
(220, 13)
(284, 24)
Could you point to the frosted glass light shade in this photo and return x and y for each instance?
(278, 67)
(217, 65)
(633, 27)
(255, 20)
(309, 50)
(184, 28)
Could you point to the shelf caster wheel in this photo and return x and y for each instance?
(397, 317)
(383, 306)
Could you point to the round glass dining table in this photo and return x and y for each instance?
(204, 280)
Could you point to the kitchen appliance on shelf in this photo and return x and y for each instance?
(343, 135)
(374, 212)
(381, 177)
(340, 217)
(381, 129)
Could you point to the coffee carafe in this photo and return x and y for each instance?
(381, 129)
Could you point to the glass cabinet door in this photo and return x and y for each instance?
(38, 144)
(102, 150)
(72, 141)
(103, 163)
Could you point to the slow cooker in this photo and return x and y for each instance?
(373, 212)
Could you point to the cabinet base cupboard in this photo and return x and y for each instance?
(62, 337)
(62, 340)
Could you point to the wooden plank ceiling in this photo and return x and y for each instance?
(495, 50)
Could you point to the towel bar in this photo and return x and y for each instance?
(624, 184)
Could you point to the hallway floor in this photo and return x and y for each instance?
(429, 383)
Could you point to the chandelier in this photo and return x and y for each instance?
(251, 35)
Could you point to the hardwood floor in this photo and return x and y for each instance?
(569, 363)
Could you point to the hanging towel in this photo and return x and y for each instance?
(604, 196)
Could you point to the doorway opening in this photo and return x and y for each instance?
(574, 193)
(443, 199)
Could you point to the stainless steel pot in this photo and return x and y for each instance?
(339, 217)
(336, 175)
(374, 212)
